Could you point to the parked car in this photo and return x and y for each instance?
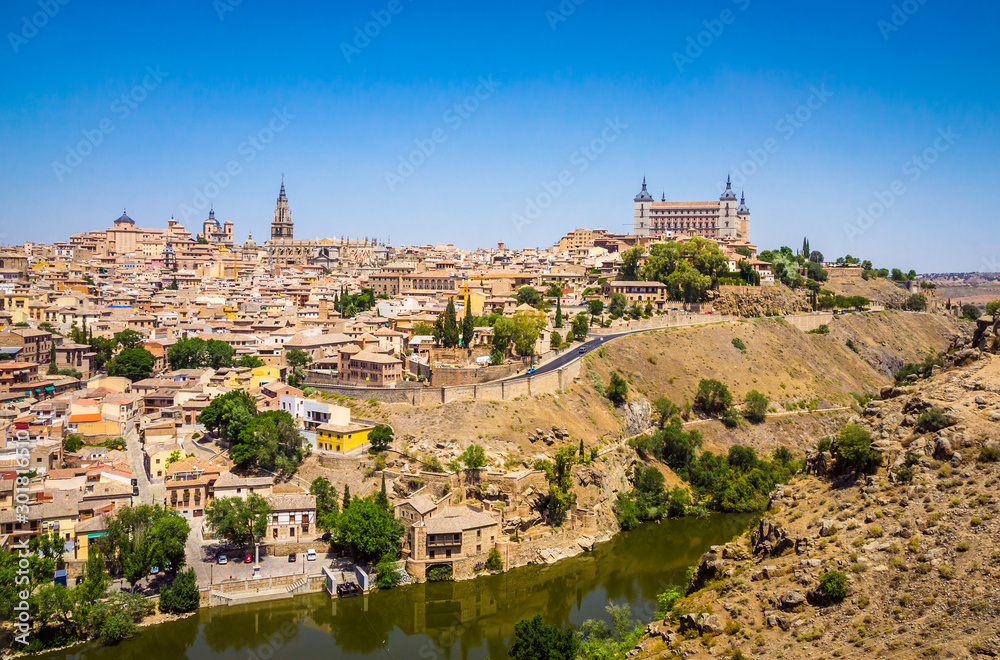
(311, 554)
(291, 557)
(223, 560)
(135, 491)
(248, 559)
(154, 570)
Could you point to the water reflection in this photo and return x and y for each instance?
(469, 620)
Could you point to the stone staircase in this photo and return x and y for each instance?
(297, 585)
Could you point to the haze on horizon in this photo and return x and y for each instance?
(817, 112)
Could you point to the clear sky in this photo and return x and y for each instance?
(144, 106)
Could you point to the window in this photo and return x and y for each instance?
(432, 554)
(479, 549)
(447, 553)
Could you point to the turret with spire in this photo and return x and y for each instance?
(281, 226)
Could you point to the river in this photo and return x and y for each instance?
(468, 620)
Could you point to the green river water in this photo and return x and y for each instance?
(470, 620)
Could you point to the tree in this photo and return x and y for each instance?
(559, 314)
(181, 595)
(450, 337)
(560, 478)
(618, 303)
(53, 369)
(103, 348)
(249, 362)
(687, 284)
(528, 295)
(468, 326)
(712, 396)
(423, 329)
(596, 307)
(380, 437)
(581, 325)
(387, 572)
(347, 497)
(755, 406)
(128, 338)
(617, 389)
(240, 521)
(187, 353)
(666, 410)
(917, 302)
(536, 640)
(854, 447)
(992, 307)
(662, 261)
(629, 270)
(133, 363)
(229, 414)
(270, 440)
(503, 330)
(474, 457)
(527, 326)
(144, 536)
(382, 498)
(555, 340)
(370, 531)
(298, 360)
(494, 562)
(327, 507)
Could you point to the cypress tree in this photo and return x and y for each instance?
(53, 369)
(559, 318)
(347, 497)
(449, 336)
(467, 326)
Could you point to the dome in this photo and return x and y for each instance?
(250, 244)
(125, 218)
(211, 218)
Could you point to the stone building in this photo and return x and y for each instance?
(459, 537)
(713, 219)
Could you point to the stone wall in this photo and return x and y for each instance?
(807, 322)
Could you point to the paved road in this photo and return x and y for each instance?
(135, 459)
(578, 351)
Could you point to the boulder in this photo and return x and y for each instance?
(792, 599)
(942, 448)
(827, 527)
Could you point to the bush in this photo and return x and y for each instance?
(494, 562)
(989, 455)
(181, 595)
(755, 406)
(730, 418)
(712, 396)
(388, 574)
(617, 390)
(932, 420)
(72, 443)
(904, 474)
(850, 345)
(738, 343)
(821, 330)
(834, 584)
(854, 448)
(439, 574)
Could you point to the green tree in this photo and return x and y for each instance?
(917, 302)
(133, 363)
(144, 536)
(712, 396)
(992, 307)
(298, 360)
(581, 325)
(450, 337)
(854, 447)
(347, 498)
(229, 414)
(128, 338)
(559, 314)
(468, 326)
(494, 562)
(755, 406)
(240, 521)
(687, 284)
(187, 353)
(327, 508)
(387, 573)
(369, 531)
(181, 595)
(249, 362)
(617, 389)
(380, 437)
(503, 331)
(527, 326)
(536, 640)
(555, 340)
(617, 306)
(270, 440)
(666, 410)
(596, 308)
(528, 295)
(629, 270)
(474, 457)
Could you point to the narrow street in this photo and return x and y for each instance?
(135, 459)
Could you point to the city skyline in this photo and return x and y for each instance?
(822, 140)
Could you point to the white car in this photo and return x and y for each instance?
(223, 560)
(311, 554)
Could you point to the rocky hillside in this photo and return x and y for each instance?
(916, 542)
(762, 301)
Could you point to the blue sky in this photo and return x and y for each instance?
(173, 94)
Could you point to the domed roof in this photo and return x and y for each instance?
(250, 244)
(125, 218)
(211, 217)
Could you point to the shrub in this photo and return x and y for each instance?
(730, 418)
(904, 474)
(494, 562)
(181, 595)
(989, 455)
(388, 574)
(732, 627)
(738, 343)
(854, 448)
(932, 420)
(439, 574)
(755, 406)
(617, 390)
(834, 584)
(821, 330)
(712, 396)
(850, 345)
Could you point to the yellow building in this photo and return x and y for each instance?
(86, 533)
(248, 379)
(333, 437)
